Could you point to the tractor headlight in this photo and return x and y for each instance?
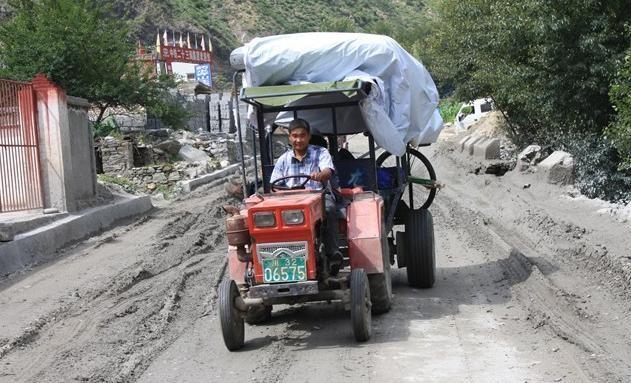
(293, 217)
(264, 219)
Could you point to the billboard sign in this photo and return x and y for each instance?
(202, 74)
(184, 55)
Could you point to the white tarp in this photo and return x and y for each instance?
(405, 110)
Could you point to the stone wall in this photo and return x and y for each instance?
(117, 156)
(219, 107)
(149, 178)
(151, 166)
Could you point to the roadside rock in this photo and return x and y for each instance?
(487, 148)
(527, 157)
(558, 168)
(169, 146)
(185, 141)
(190, 154)
(7, 233)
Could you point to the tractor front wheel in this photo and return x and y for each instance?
(360, 305)
(381, 284)
(231, 319)
(420, 257)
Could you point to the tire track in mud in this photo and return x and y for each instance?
(601, 355)
(112, 332)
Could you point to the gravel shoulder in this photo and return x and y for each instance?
(532, 286)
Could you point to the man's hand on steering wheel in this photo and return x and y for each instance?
(321, 176)
(275, 187)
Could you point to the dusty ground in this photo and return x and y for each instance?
(532, 286)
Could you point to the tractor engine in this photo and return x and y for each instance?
(239, 236)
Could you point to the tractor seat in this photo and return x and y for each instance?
(356, 172)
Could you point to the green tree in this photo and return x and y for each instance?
(548, 65)
(81, 46)
(620, 130)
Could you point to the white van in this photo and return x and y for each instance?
(471, 112)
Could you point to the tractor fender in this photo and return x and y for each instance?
(364, 225)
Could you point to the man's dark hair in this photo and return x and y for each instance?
(299, 123)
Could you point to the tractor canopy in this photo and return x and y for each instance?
(312, 102)
(398, 107)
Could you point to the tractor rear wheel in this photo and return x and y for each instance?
(420, 256)
(232, 327)
(419, 167)
(361, 317)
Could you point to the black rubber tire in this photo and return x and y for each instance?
(381, 284)
(420, 256)
(361, 316)
(400, 245)
(258, 315)
(232, 327)
(430, 170)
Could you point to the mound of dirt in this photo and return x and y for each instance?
(490, 125)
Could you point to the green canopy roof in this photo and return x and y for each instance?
(280, 95)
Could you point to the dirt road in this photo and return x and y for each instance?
(532, 287)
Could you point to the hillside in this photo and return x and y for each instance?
(233, 22)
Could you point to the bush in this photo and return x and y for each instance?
(448, 108)
(596, 160)
(123, 182)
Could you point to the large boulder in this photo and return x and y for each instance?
(558, 168)
(186, 141)
(190, 154)
(169, 146)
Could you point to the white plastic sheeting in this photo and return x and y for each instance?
(405, 109)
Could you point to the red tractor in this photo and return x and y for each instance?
(275, 239)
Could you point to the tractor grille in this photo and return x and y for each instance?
(273, 250)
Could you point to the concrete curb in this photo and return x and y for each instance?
(189, 186)
(481, 147)
(41, 244)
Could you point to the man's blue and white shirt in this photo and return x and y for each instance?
(316, 159)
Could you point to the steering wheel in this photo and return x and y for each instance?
(276, 187)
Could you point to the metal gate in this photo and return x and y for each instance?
(20, 178)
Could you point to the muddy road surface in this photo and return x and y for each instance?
(531, 287)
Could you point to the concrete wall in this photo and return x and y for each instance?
(63, 132)
(198, 111)
(83, 179)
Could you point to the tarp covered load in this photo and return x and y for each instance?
(402, 109)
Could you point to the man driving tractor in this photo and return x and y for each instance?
(315, 161)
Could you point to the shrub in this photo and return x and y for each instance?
(596, 160)
(448, 109)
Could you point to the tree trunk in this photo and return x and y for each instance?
(102, 109)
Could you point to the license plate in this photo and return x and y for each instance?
(279, 270)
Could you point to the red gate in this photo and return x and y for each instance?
(20, 178)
